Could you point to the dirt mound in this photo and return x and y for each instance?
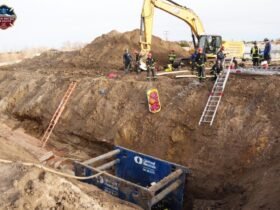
(104, 53)
(234, 163)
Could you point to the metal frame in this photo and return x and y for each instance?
(273, 70)
(163, 190)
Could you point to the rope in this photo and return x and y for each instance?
(53, 171)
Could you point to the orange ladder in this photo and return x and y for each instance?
(58, 113)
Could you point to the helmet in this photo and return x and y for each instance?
(149, 55)
(254, 42)
(200, 50)
(266, 39)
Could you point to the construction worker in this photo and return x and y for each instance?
(137, 62)
(171, 57)
(150, 62)
(127, 59)
(267, 50)
(193, 56)
(255, 54)
(200, 63)
(235, 63)
(220, 60)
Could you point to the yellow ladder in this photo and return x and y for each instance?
(58, 113)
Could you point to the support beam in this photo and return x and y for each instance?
(166, 180)
(165, 192)
(113, 177)
(102, 157)
(108, 165)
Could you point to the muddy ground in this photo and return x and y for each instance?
(234, 163)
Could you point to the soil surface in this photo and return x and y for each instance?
(23, 187)
(235, 163)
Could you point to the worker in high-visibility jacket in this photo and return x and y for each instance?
(200, 61)
(171, 57)
(255, 54)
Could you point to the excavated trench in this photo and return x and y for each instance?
(234, 163)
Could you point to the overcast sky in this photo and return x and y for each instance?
(51, 23)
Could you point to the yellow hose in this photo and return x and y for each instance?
(53, 171)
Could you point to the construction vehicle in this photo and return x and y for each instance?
(209, 43)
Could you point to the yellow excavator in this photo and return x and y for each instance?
(209, 43)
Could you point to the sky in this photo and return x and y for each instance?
(52, 23)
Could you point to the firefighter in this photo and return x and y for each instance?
(193, 56)
(235, 63)
(171, 57)
(267, 49)
(150, 62)
(127, 60)
(200, 63)
(255, 54)
(220, 60)
(137, 62)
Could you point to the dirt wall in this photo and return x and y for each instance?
(234, 162)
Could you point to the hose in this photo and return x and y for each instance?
(52, 170)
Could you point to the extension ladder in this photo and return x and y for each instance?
(58, 113)
(215, 97)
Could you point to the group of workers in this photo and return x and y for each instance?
(198, 60)
(131, 63)
(257, 56)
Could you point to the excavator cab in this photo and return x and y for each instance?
(210, 44)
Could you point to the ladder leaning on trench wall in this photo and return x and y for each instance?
(215, 97)
(58, 113)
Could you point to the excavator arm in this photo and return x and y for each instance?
(181, 12)
(209, 43)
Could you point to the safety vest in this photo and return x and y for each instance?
(255, 52)
(172, 56)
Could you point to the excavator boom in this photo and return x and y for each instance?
(181, 12)
(210, 43)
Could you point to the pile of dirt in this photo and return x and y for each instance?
(25, 187)
(104, 53)
(234, 163)
(30, 188)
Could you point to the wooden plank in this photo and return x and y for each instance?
(46, 156)
(177, 72)
(193, 76)
(172, 72)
